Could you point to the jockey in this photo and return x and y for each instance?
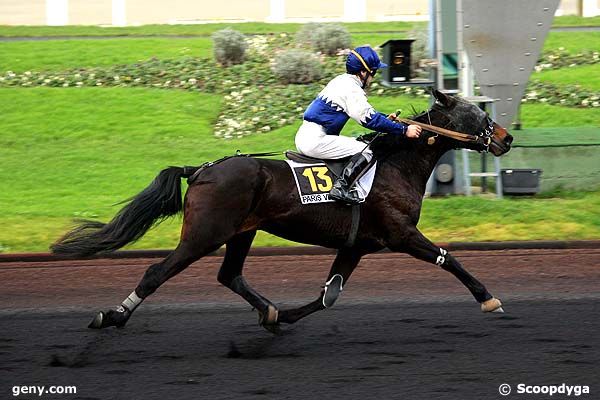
(344, 97)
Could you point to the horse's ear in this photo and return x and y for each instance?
(442, 98)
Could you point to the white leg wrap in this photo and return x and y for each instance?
(441, 259)
(131, 302)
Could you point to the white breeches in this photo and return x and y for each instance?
(313, 141)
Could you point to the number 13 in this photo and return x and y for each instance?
(322, 175)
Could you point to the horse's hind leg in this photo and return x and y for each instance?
(343, 265)
(155, 275)
(230, 275)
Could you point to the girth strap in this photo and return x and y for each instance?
(354, 227)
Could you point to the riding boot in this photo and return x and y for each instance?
(343, 188)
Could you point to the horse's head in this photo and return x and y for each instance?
(467, 118)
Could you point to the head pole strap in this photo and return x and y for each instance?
(362, 60)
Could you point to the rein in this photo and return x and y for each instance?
(463, 137)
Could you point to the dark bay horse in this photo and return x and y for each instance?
(226, 203)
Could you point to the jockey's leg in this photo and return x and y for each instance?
(343, 265)
(230, 275)
(420, 247)
(343, 185)
(155, 275)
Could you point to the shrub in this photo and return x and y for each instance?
(306, 34)
(329, 39)
(326, 38)
(297, 66)
(229, 46)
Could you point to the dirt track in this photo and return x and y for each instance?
(401, 329)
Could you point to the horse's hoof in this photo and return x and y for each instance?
(269, 319)
(492, 305)
(98, 321)
(111, 318)
(333, 288)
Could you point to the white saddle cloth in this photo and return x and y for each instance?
(363, 186)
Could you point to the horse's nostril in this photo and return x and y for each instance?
(508, 139)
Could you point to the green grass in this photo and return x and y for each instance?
(563, 136)
(73, 153)
(59, 55)
(476, 219)
(375, 39)
(586, 76)
(572, 20)
(573, 42)
(546, 115)
(199, 29)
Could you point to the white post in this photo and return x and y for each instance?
(466, 171)
(57, 12)
(277, 11)
(355, 10)
(590, 8)
(466, 76)
(119, 15)
(499, 194)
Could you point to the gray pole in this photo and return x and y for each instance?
(439, 44)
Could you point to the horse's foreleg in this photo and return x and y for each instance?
(155, 275)
(230, 275)
(343, 265)
(420, 247)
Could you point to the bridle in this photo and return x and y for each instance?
(484, 138)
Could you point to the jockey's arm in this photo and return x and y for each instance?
(380, 123)
(359, 109)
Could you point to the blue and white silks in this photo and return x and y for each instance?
(344, 98)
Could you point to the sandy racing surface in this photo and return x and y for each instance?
(401, 329)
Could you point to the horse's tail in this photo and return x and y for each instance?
(160, 200)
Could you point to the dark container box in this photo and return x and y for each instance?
(396, 54)
(521, 181)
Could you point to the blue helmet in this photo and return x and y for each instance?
(363, 59)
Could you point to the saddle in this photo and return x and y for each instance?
(335, 165)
